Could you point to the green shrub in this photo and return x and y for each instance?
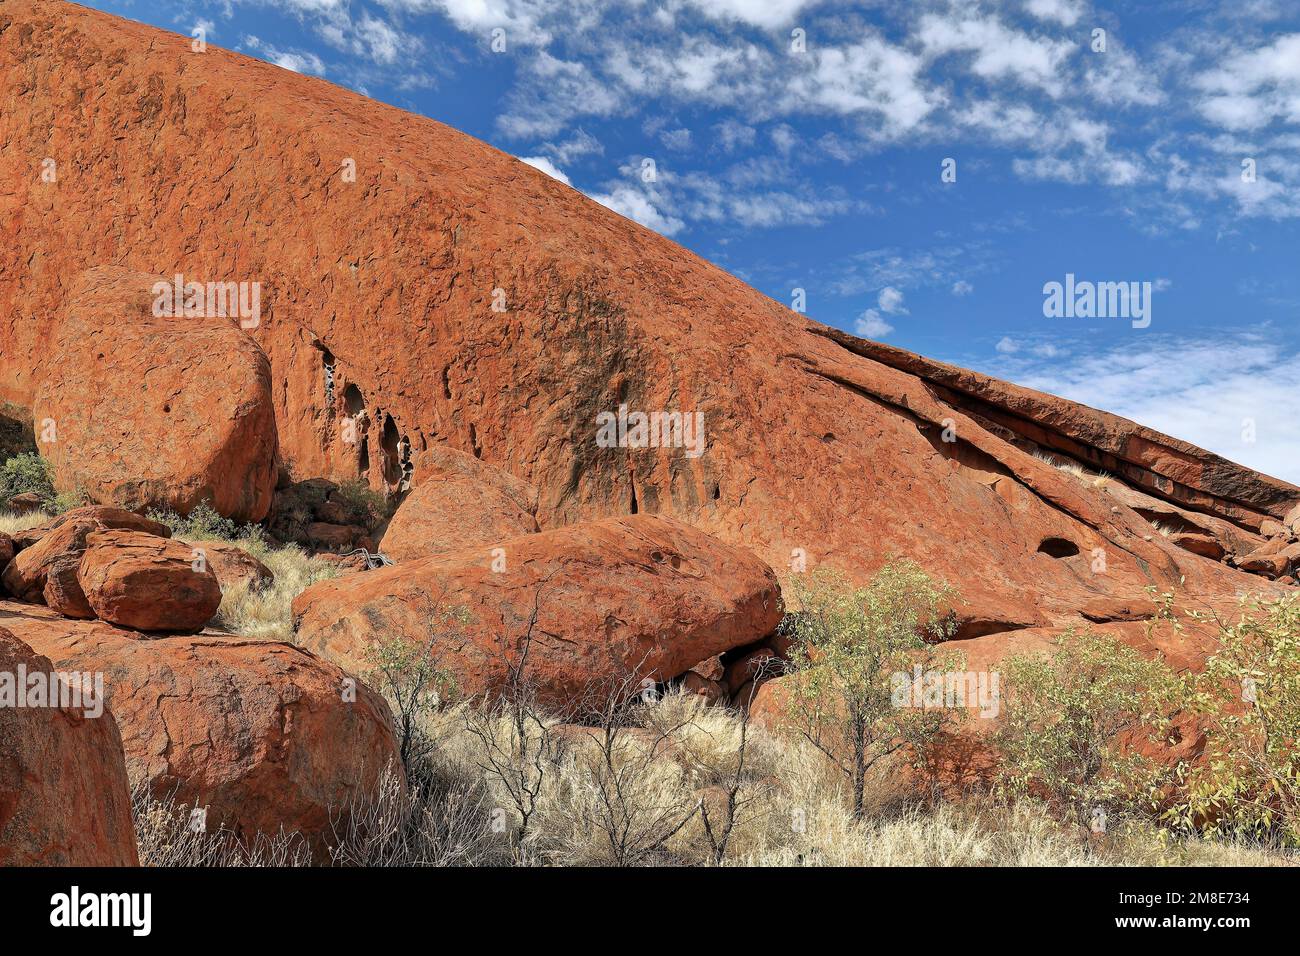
(364, 506)
(205, 523)
(24, 473)
(1247, 701)
(1072, 722)
(847, 646)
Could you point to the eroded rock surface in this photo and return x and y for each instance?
(639, 597)
(64, 797)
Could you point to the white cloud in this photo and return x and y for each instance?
(1251, 88)
(546, 166)
(636, 205)
(870, 77)
(1202, 390)
(577, 146)
(1064, 12)
(1007, 346)
(758, 13)
(890, 301)
(1117, 77)
(732, 134)
(871, 326)
(676, 139)
(299, 61)
(962, 287)
(553, 93)
(999, 51)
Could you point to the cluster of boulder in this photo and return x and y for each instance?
(114, 565)
(261, 736)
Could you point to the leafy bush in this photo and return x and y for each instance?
(205, 523)
(1072, 723)
(27, 473)
(1247, 701)
(847, 645)
(409, 672)
(364, 506)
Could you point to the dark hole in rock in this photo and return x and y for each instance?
(389, 441)
(1058, 548)
(353, 403)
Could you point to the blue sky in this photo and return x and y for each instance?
(800, 144)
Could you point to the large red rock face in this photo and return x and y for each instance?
(64, 797)
(378, 319)
(262, 733)
(191, 417)
(625, 599)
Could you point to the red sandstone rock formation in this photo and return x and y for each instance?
(231, 564)
(147, 410)
(635, 597)
(262, 733)
(147, 583)
(377, 318)
(64, 797)
(461, 503)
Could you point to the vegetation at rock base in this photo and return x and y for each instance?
(1074, 722)
(205, 523)
(28, 473)
(847, 644)
(363, 505)
(1247, 700)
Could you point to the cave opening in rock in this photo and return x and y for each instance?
(1058, 548)
(389, 440)
(353, 402)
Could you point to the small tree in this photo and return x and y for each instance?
(621, 796)
(1247, 701)
(847, 646)
(743, 793)
(517, 749)
(409, 672)
(1073, 722)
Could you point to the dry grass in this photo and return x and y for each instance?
(1098, 479)
(798, 812)
(266, 613)
(11, 523)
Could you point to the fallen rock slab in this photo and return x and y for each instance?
(64, 796)
(638, 595)
(231, 564)
(25, 576)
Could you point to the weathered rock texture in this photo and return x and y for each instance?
(377, 318)
(168, 411)
(147, 583)
(231, 564)
(461, 503)
(262, 733)
(64, 797)
(638, 597)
